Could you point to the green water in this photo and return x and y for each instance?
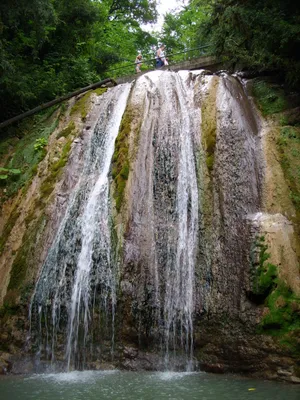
(117, 385)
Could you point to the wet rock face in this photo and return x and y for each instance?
(236, 182)
(220, 253)
(149, 260)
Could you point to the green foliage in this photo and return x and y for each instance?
(51, 47)
(5, 173)
(283, 316)
(20, 149)
(284, 312)
(270, 99)
(39, 144)
(21, 262)
(181, 30)
(142, 11)
(265, 274)
(260, 35)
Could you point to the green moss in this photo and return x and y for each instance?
(8, 227)
(125, 171)
(67, 131)
(34, 170)
(288, 144)
(209, 126)
(265, 274)
(55, 170)
(283, 317)
(30, 217)
(22, 261)
(270, 99)
(121, 165)
(283, 120)
(46, 188)
(82, 105)
(99, 91)
(121, 184)
(19, 268)
(210, 162)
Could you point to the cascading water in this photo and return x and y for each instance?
(179, 296)
(176, 227)
(163, 235)
(77, 282)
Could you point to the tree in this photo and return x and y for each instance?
(50, 47)
(142, 11)
(181, 29)
(262, 35)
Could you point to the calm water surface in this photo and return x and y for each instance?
(90, 385)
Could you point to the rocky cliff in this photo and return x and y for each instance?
(179, 249)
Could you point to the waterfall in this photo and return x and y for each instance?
(78, 279)
(179, 301)
(193, 177)
(163, 235)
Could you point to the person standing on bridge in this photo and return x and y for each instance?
(138, 62)
(160, 56)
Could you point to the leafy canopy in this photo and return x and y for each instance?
(50, 47)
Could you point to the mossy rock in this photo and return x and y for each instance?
(81, 106)
(210, 162)
(283, 317)
(8, 227)
(120, 160)
(288, 145)
(67, 131)
(209, 126)
(22, 260)
(270, 99)
(55, 171)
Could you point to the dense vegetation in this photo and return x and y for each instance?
(259, 35)
(50, 47)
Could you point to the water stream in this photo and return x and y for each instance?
(78, 279)
(161, 274)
